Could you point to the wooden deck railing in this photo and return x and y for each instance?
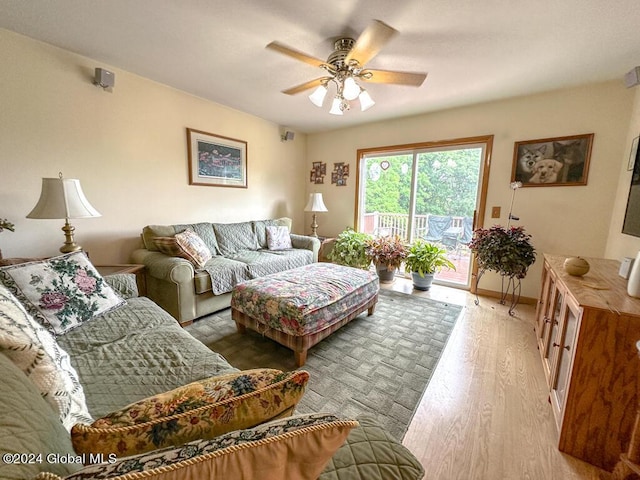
(381, 224)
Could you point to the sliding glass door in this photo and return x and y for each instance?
(428, 191)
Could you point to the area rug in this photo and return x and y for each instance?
(378, 364)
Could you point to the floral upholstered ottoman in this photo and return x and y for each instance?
(299, 307)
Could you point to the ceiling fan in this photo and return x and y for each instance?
(346, 64)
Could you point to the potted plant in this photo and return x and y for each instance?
(6, 225)
(387, 254)
(507, 251)
(424, 260)
(350, 249)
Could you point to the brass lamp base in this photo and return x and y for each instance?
(69, 243)
(314, 227)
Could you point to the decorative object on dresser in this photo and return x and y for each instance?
(315, 205)
(633, 285)
(576, 266)
(587, 328)
(63, 198)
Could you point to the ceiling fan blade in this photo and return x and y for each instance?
(400, 78)
(303, 57)
(369, 43)
(306, 86)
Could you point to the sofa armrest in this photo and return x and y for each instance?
(169, 282)
(307, 243)
(164, 267)
(123, 283)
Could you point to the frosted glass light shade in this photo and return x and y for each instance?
(351, 89)
(62, 198)
(335, 106)
(366, 102)
(315, 203)
(317, 97)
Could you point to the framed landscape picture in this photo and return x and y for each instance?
(548, 162)
(215, 160)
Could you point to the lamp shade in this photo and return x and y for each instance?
(317, 97)
(62, 198)
(315, 203)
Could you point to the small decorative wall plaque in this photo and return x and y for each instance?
(340, 174)
(318, 172)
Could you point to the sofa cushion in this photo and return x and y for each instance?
(371, 453)
(232, 237)
(278, 238)
(202, 409)
(297, 447)
(28, 426)
(151, 231)
(134, 352)
(37, 353)
(266, 262)
(61, 293)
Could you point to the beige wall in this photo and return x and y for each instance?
(562, 220)
(128, 148)
(620, 245)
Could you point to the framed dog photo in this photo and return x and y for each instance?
(552, 162)
(215, 160)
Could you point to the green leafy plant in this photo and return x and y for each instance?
(7, 225)
(427, 258)
(506, 251)
(388, 251)
(350, 249)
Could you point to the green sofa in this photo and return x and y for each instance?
(138, 353)
(240, 252)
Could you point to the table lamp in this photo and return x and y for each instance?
(315, 205)
(63, 198)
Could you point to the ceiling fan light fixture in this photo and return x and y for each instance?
(318, 95)
(366, 102)
(351, 89)
(336, 106)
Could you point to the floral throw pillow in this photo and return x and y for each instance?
(278, 238)
(36, 352)
(203, 409)
(192, 247)
(61, 293)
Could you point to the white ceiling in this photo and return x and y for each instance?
(474, 51)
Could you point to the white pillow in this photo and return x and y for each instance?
(278, 238)
(37, 353)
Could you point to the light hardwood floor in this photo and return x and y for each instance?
(485, 413)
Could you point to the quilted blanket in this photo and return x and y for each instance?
(134, 352)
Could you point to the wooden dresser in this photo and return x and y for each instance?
(587, 328)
